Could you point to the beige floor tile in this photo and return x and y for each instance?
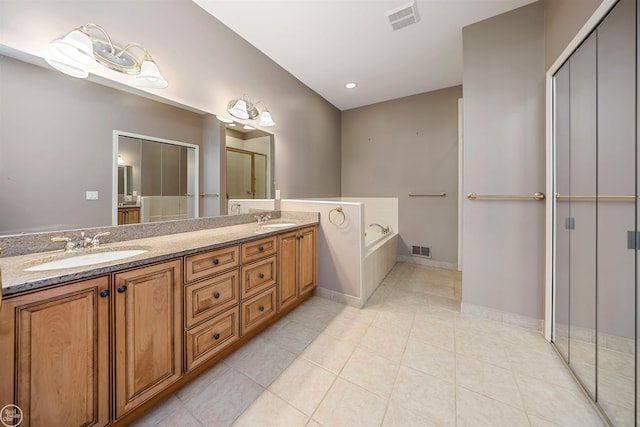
(303, 385)
(329, 352)
(489, 380)
(476, 410)
(558, 404)
(261, 360)
(206, 378)
(269, 410)
(157, 414)
(223, 400)
(393, 321)
(314, 423)
(435, 331)
(384, 343)
(346, 329)
(541, 365)
(181, 417)
(482, 347)
(426, 395)
(347, 404)
(292, 336)
(402, 417)
(619, 415)
(536, 421)
(430, 359)
(371, 372)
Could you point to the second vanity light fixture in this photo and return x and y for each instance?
(79, 50)
(242, 108)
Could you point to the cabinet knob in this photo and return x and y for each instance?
(216, 295)
(216, 336)
(302, 236)
(261, 275)
(216, 261)
(261, 308)
(121, 289)
(104, 293)
(261, 248)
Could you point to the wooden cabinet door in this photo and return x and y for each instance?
(307, 260)
(57, 371)
(147, 332)
(287, 274)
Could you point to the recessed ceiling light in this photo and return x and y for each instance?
(351, 85)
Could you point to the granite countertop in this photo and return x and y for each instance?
(16, 280)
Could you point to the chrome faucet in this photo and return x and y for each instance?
(262, 218)
(83, 242)
(385, 230)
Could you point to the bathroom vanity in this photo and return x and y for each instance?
(100, 345)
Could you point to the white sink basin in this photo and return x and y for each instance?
(86, 259)
(278, 224)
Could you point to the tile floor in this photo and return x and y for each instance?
(408, 358)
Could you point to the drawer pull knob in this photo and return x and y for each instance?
(261, 275)
(104, 293)
(302, 236)
(216, 336)
(261, 308)
(216, 295)
(121, 289)
(261, 248)
(216, 261)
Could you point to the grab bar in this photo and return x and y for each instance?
(535, 196)
(443, 194)
(585, 197)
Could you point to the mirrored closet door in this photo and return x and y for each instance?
(595, 213)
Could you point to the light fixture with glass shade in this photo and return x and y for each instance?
(79, 50)
(242, 108)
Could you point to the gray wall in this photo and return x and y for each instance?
(206, 65)
(408, 145)
(562, 20)
(504, 153)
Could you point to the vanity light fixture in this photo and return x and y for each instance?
(242, 108)
(79, 50)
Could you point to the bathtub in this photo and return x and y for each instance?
(353, 257)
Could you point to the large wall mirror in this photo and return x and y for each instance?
(57, 159)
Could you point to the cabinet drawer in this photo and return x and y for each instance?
(212, 295)
(208, 263)
(257, 249)
(205, 340)
(258, 310)
(258, 276)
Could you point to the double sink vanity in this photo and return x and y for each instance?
(99, 337)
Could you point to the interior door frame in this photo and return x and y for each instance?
(582, 35)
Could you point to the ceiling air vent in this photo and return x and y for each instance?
(403, 16)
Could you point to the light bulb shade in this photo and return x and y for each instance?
(150, 76)
(72, 55)
(239, 110)
(266, 120)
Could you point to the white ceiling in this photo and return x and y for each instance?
(326, 43)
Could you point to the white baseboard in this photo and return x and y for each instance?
(503, 316)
